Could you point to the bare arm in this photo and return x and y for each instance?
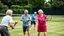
(11, 25)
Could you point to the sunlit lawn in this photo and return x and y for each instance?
(55, 27)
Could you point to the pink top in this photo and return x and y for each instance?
(41, 21)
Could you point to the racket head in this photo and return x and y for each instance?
(49, 17)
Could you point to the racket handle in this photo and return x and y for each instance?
(15, 24)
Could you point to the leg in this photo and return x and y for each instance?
(28, 30)
(39, 30)
(38, 33)
(24, 30)
(34, 25)
(2, 31)
(6, 32)
(31, 24)
(44, 33)
(45, 30)
(24, 33)
(28, 33)
(1, 34)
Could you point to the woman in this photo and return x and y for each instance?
(41, 22)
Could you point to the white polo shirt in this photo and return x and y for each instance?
(5, 20)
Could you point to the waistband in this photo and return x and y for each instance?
(4, 26)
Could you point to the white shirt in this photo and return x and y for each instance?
(6, 20)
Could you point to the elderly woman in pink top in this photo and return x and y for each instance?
(41, 18)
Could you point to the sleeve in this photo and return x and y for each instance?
(46, 17)
(29, 17)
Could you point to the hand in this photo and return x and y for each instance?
(28, 19)
(21, 20)
(12, 27)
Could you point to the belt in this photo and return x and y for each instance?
(4, 26)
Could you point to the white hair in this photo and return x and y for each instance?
(9, 11)
(35, 12)
(25, 10)
(40, 10)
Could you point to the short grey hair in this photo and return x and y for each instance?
(40, 10)
(25, 10)
(9, 11)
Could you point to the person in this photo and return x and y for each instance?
(33, 20)
(26, 22)
(6, 21)
(41, 18)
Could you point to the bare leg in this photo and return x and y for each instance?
(44, 33)
(30, 26)
(24, 33)
(28, 33)
(34, 27)
(38, 33)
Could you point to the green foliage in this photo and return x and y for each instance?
(20, 9)
(17, 9)
(20, 5)
(38, 3)
(28, 7)
(57, 3)
(47, 5)
(3, 8)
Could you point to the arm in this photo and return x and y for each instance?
(46, 19)
(29, 19)
(12, 22)
(22, 18)
(11, 25)
(37, 19)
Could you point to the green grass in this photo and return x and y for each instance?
(55, 27)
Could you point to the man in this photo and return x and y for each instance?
(6, 21)
(26, 22)
(33, 20)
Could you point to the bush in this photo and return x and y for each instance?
(3, 8)
(29, 8)
(17, 9)
(20, 9)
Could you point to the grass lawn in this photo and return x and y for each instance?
(55, 27)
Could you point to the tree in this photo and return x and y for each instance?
(9, 3)
(57, 3)
(38, 3)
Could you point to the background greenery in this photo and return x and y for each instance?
(18, 6)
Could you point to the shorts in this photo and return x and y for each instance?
(33, 22)
(25, 28)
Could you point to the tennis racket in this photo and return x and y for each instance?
(49, 17)
(15, 23)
